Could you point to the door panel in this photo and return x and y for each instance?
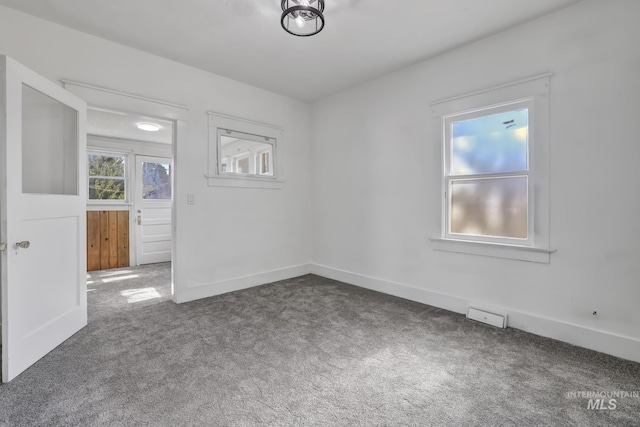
(107, 239)
(61, 261)
(153, 194)
(42, 201)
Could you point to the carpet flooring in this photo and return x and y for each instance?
(307, 351)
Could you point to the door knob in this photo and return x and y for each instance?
(24, 244)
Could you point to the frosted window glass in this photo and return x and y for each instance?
(156, 181)
(490, 144)
(490, 207)
(49, 145)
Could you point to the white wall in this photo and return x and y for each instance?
(272, 224)
(376, 180)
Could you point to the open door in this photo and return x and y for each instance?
(153, 195)
(43, 228)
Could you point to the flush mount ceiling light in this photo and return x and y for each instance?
(302, 18)
(149, 127)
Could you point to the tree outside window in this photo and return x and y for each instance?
(107, 180)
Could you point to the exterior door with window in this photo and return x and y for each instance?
(42, 200)
(153, 194)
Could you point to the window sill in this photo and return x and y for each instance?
(244, 182)
(496, 250)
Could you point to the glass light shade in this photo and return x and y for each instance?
(149, 127)
(302, 18)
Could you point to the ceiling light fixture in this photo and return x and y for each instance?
(149, 127)
(302, 18)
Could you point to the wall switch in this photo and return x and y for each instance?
(191, 199)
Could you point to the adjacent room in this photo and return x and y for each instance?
(320, 212)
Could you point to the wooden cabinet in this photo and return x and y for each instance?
(107, 239)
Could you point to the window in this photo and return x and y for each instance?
(107, 176)
(495, 168)
(49, 145)
(156, 181)
(487, 174)
(244, 153)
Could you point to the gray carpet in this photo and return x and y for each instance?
(304, 352)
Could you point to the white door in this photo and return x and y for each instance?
(153, 194)
(42, 199)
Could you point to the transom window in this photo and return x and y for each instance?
(107, 176)
(487, 174)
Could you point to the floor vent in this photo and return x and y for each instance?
(486, 317)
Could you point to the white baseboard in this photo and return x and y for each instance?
(605, 342)
(191, 293)
(401, 290)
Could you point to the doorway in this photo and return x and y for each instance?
(130, 178)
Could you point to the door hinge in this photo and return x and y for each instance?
(3, 247)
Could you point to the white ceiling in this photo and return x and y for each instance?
(123, 126)
(243, 40)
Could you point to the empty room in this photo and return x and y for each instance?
(320, 212)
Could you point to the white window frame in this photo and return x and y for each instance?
(533, 94)
(448, 122)
(246, 129)
(109, 153)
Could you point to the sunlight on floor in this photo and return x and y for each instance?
(138, 295)
(117, 279)
(116, 273)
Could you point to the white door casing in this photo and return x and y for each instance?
(42, 200)
(153, 195)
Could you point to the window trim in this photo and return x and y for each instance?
(536, 91)
(125, 178)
